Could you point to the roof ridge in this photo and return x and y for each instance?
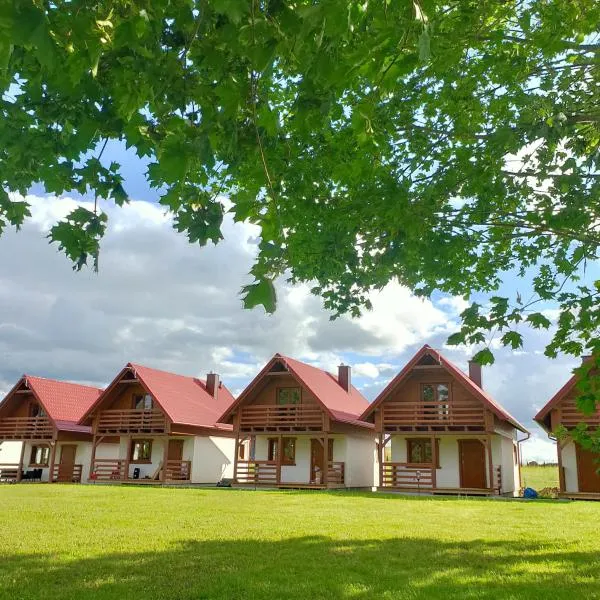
(60, 381)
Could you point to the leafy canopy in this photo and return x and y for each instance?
(441, 144)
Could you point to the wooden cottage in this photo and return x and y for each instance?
(298, 426)
(43, 414)
(577, 466)
(164, 429)
(439, 432)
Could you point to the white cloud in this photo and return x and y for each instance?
(160, 301)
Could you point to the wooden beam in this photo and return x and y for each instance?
(20, 470)
(52, 459)
(95, 443)
(491, 482)
(434, 460)
(279, 452)
(561, 471)
(325, 476)
(235, 456)
(163, 474)
(381, 457)
(127, 457)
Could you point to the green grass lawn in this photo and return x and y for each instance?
(540, 477)
(78, 542)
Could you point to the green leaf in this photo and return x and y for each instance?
(424, 45)
(484, 357)
(260, 293)
(512, 339)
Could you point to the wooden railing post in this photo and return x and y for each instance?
(52, 459)
(434, 460)
(236, 455)
(163, 475)
(20, 469)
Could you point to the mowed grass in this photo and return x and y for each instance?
(539, 477)
(77, 542)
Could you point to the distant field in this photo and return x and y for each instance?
(85, 542)
(540, 477)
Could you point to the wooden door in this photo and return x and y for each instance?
(175, 450)
(587, 467)
(471, 456)
(317, 459)
(67, 462)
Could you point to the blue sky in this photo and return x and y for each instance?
(160, 301)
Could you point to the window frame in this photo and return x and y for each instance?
(433, 411)
(143, 398)
(410, 442)
(273, 449)
(282, 388)
(140, 461)
(35, 463)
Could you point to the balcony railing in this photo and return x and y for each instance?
(26, 428)
(432, 416)
(281, 418)
(570, 416)
(9, 472)
(264, 472)
(108, 469)
(407, 476)
(131, 421)
(67, 473)
(256, 472)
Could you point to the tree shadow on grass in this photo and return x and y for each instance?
(310, 567)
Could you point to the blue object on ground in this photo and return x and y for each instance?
(530, 493)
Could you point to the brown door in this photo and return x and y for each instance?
(472, 464)
(317, 459)
(587, 467)
(175, 450)
(67, 463)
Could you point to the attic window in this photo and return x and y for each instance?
(288, 395)
(143, 402)
(37, 411)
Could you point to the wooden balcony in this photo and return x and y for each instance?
(433, 416)
(570, 416)
(67, 473)
(281, 418)
(130, 421)
(26, 428)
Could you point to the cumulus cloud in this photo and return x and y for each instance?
(160, 301)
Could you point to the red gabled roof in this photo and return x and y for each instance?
(464, 379)
(341, 405)
(184, 399)
(64, 402)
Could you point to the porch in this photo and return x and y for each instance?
(446, 464)
(268, 473)
(411, 477)
(148, 459)
(291, 461)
